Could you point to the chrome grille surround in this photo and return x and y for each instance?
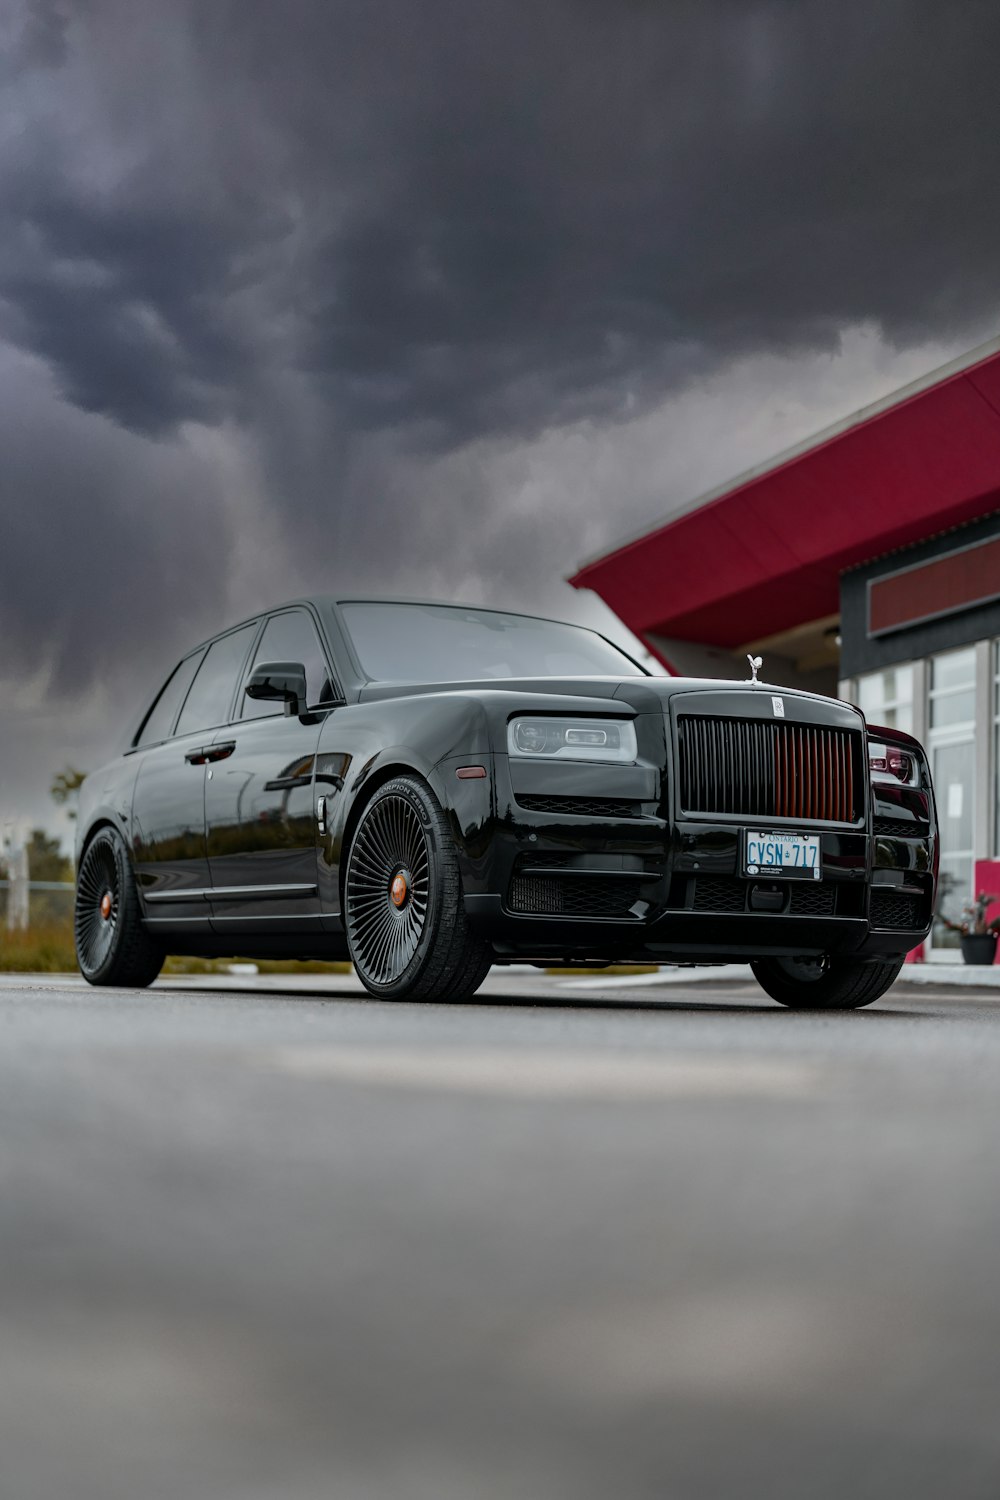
(758, 769)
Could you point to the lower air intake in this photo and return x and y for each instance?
(725, 893)
(889, 909)
(572, 896)
(580, 807)
(719, 893)
(813, 899)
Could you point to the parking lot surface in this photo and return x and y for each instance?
(578, 1239)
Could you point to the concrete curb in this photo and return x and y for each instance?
(940, 976)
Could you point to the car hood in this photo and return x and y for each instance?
(642, 694)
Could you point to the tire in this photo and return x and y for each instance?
(407, 931)
(112, 946)
(826, 983)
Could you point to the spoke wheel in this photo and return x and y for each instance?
(388, 890)
(404, 911)
(112, 945)
(98, 906)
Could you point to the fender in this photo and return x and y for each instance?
(106, 797)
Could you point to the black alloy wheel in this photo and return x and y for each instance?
(825, 983)
(112, 946)
(406, 925)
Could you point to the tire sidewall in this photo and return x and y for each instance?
(123, 874)
(420, 799)
(841, 987)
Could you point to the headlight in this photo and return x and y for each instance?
(892, 764)
(572, 739)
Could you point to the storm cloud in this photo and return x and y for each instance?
(438, 297)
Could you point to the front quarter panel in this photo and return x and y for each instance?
(433, 735)
(365, 744)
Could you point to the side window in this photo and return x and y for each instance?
(212, 690)
(160, 719)
(291, 637)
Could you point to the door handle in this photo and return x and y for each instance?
(206, 753)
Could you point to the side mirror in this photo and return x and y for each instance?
(282, 681)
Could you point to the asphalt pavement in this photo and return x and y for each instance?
(574, 1240)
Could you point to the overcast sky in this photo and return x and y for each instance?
(438, 297)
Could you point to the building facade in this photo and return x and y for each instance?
(865, 563)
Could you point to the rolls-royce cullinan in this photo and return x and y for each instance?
(432, 789)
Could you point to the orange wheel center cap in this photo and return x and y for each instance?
(106, 905)
(399, 890)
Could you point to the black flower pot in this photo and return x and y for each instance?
(979, 947)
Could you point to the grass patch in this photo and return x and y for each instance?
(45, 948)
(179, 964)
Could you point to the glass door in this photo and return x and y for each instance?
(951, 743)
(886, 697)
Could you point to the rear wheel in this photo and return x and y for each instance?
(406, 926)
(824, 983)
(112, 946)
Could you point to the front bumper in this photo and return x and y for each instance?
(641, 884)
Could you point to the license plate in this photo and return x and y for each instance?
(790, 856)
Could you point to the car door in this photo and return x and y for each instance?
(168, 805)
(260, 797)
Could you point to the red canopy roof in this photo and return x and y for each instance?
(765, 553)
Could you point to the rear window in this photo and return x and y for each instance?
(160, 719)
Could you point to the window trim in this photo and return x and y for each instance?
(137, 737)
(240, 671)
(897, 702)
(338, 699)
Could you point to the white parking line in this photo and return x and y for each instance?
(702, 974)
(516, 1074)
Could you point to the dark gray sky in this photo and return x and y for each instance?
(438, 297)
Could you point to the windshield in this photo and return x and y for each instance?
(442, 643)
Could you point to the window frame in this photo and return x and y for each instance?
(336, 701)
(960, 730)
(890, 706)
(240, 675)
(137, 744)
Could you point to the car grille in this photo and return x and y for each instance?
(724, 893)
(893, 910)
(580, 807)
(896, 828)
(758, 769)
(573, 896)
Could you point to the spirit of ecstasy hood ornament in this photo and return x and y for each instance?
(756, 662)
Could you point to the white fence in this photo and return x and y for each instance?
(16, 895)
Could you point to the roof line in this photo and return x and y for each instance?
(939, 376)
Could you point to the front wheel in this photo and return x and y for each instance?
(824, 983)
(406, 926)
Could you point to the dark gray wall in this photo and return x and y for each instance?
(860, 653)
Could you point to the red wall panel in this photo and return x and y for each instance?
(970, 575)
(768, 554)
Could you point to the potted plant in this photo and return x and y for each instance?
(978, 938)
